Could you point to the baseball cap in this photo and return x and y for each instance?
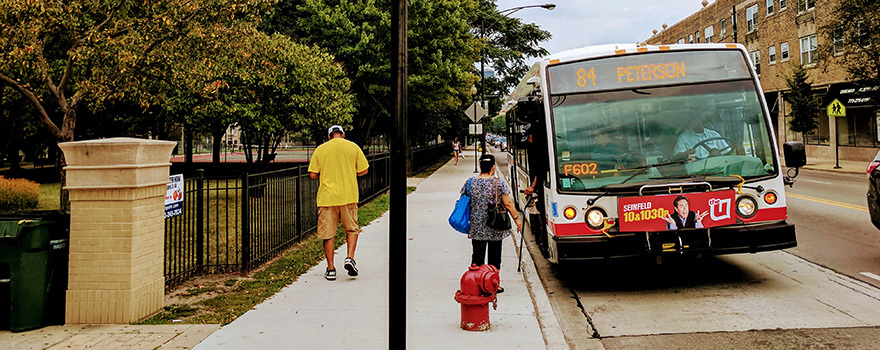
(334, 129)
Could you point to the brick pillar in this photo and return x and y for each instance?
(117, 190)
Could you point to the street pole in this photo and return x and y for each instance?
(482, 85)
(397, 209)
(478, 141)
(836, 145)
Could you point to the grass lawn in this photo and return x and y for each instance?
(50, 196)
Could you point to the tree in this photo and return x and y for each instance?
(357, 34)
(441, 55)
(508, 44)
(803, 104)
(284, 87)
(855, 25)
(60, 54)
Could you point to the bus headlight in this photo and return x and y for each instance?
(569, 212)
(746, 207)
(596, 218)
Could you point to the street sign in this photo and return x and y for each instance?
(475, 129)
(836, 109)
(475, 112)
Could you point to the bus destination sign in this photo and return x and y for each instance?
(648, 69)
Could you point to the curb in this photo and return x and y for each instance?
(554, 339)
(550, 328)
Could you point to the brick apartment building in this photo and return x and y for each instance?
(779, 34)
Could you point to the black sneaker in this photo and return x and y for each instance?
(330, 275)
(351, 267)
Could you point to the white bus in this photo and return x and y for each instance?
(649, 150)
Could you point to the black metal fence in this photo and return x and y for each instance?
(237, 223)
(423, 157)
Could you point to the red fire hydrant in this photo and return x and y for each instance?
(478, 287)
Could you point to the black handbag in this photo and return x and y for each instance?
(497, 217)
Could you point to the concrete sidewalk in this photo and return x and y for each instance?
(348, 313)
(846, 166)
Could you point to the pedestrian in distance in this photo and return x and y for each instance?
(456, 149)
(482, 192)
(336, 164)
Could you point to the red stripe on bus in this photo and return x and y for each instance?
(573, 229)
(581, 228)
(769, 214)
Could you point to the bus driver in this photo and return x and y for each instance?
(691, 140)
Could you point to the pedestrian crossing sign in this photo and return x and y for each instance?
(836, 109)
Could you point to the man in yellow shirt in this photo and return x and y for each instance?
(338, 162)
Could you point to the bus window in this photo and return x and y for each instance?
(601, 136)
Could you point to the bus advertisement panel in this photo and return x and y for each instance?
(676, 211)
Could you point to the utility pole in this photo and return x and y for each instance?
(397, 212)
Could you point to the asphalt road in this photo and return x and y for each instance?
(833, 226)
(793, 299)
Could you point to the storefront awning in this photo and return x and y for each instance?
(853, 94)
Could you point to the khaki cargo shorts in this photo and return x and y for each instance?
(329, 217)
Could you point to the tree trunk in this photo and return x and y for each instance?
(65, 193)
(67, 128)
(188, 148)
(215, 150)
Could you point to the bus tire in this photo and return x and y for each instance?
(539, 234)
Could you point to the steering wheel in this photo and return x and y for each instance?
(720, 151)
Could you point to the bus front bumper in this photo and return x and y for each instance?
(743, 238)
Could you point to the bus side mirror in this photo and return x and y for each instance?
(529, 109)
(795, 154)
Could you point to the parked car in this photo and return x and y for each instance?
(874, 190)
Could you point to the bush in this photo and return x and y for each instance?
(18, 194)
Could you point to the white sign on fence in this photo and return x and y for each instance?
(174, 196)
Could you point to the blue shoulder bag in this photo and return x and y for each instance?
(460, 219)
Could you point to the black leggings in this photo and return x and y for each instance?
(480, 253)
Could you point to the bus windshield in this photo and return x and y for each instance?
(713, 128)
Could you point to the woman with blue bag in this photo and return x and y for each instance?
(489, 193)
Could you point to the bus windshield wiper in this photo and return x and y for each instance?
(641, 171)
(687, 176)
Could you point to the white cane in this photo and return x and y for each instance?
(522, 236)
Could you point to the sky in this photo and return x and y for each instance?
(578, 23)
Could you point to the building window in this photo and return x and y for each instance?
(771, 54)
(697, 36)
(783, 4)
(783, 52)
(708, 33)
(681, 41)
(804, 5)
(864, 39)
(837, 39)
(756, 60)
(751, 18)
(769, 7)
(808, 49)
(690, 38)
(723, 26)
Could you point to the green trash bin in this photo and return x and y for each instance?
(33, 269)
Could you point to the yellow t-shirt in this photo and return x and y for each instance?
(337, 162)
